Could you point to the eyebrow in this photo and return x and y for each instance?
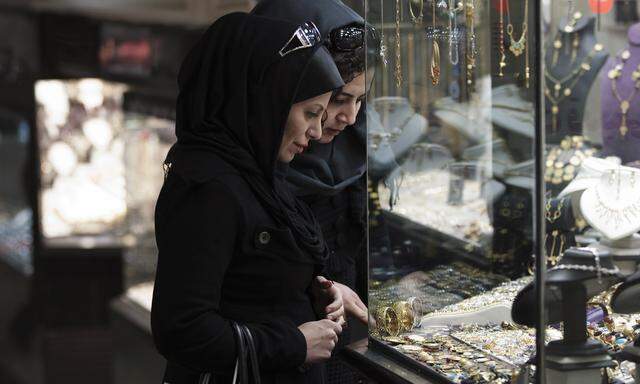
(319, 106)
(349, 95)
(342, 93)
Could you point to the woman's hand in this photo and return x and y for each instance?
(321, 337)
(352, 304)
(328, 299)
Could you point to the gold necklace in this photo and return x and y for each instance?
(398, 67)
(517, 47)
(553, 217)
(435, 54)
(471, 42)
(625, 104)
(572, 78)
(414, 18)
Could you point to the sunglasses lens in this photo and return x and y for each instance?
(347, 39)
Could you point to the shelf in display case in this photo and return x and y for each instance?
(433, 237)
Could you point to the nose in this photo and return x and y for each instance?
(315, 130)
(349, 114)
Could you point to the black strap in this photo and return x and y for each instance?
(243, 374)
(253, 356)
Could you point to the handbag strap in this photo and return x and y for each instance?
(241, 374)
(253, 356)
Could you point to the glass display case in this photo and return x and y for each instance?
(451, 118)
(148, 138)
(82, 172)
(101, 168)
(503, 152)
(591, 80)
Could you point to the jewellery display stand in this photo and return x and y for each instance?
(394, 127)
(625, 252)
(612, 206)
(580, 274)
(626, 86)
(570, 112)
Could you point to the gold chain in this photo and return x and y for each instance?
(625, 104)
(398, 71)
(435, 54)
(556, 98)
(552, 218)
(518, 47)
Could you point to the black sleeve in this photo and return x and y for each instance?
(197, 228)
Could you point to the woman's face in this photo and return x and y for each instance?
(344, 107)
(304, 123)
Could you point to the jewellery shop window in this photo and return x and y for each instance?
(591, 91)
(98, 179)
(451, 122)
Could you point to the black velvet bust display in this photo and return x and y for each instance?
(567, 293)
(571, 109)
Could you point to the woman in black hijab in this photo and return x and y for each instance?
(330, 176)
(234, 243)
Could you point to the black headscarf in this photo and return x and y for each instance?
(235, 95)
(324, 169)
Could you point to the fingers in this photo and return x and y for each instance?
(337, 328)
(324, 283)
(362, 316)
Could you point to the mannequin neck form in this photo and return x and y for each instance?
(634, 36)
(626, 252)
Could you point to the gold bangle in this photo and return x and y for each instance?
(387, 320)
(404, 314)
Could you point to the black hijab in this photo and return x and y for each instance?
(235, 95)
(324, 169)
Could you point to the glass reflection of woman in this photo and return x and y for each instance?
(234, 243)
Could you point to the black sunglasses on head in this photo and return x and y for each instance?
(346, 38)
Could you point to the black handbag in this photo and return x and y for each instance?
(246, 364)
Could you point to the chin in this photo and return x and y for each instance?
(286, 158)
(326, 139)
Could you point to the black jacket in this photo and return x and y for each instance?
(222, 257)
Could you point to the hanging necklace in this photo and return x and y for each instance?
(398, 48)
(471, 42)
(625, 104)
(435, 54)
(416, 19)
(555, 252)
(575, 44)
(517, 47)
(454, 32)
(383, 46)
(572, 79)
(501, 51)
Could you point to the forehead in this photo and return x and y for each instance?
(355, 87)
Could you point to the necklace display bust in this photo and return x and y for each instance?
(578, 67)
(614, 142)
